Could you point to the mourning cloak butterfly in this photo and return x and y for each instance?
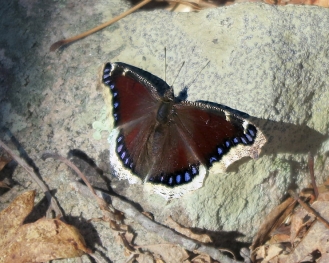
(167, 143)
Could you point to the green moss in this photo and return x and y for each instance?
(102, 124)
(280, 165)
(320, 161)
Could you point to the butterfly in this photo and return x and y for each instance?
(167, 143)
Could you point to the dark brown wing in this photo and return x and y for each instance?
(135, 102)
(132, 100)
(197, 134)
(210, 131)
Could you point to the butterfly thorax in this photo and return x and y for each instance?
(164, 111)
(165, 106)
(160, 132)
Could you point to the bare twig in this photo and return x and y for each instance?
(71, 165)
(164, 232)
(67, 41)
(197, 5)
(126, 243)
(98, 257)
(112, 212)
(131, 258)
(36, 179)
(311, 167)
(308, 208)
(130, 211)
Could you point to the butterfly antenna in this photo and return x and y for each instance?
(197, 75)
(178, 73)
(165, 65)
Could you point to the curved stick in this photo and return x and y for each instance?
(67, 41)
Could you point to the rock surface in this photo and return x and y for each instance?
(270, 62)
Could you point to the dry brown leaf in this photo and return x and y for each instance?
(309, 240)
(270, 253)
(300, 220)
(315, 240)
(273, 251)
(272, 220)
(13, 216)
(187, 232)
(202, 259)
(169, 253)
(129, 237)
(149, 215)
(118, 227)
(260, 253)
(279, 238)
(4, 160)
(126, 239)
(43, 240)
(4, 185)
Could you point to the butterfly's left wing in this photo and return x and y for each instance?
(217, 135)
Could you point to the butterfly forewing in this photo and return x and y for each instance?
(127, 91)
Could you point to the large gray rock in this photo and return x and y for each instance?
(270, 62)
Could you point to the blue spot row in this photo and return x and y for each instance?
(107, 80)
(123, 153)
(177, 178)
(252, 131)
(247, 138)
